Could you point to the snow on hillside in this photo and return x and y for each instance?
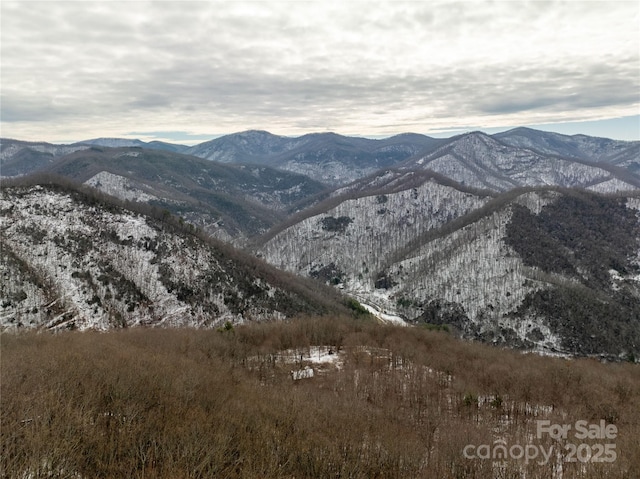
(331, 172)
(480, 161)
(576, 146)
(471, 266)
(67, 263)
(474, 268)
(118, 186)
(383, 316)
(113, 142)
(351, 242)
(613, 185)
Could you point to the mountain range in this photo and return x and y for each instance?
(525, 238)
(328, 157)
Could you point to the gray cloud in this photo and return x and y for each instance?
(225, 66)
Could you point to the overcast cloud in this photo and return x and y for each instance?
(74, 70)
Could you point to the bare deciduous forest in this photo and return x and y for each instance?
(392, 402)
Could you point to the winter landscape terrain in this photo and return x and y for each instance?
(264, 306)
(499, 238)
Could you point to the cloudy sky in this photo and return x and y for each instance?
(190, 71)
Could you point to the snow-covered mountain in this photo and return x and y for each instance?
(328, 157)
(575, 146)
(368, 227)
(113, 142)
(72, 260)
(442, 254)
(477, 232)
(481, 161)
(250, 146)
(519, 157)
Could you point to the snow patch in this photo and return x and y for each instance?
(119, 186)
(384, 316)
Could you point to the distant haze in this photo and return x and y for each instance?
(185, 72)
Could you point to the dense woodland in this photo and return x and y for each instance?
(394, 402)
(581, 235)
(587, 238)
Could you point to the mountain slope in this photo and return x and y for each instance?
(349, 240)
(230, 202)
(124, 143)
(245, 147)
(23, 157)
(328, 157)
(575, 146)
(437, 255)
(72, 260)
(479, 160)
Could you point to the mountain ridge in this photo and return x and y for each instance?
(463, 270)
(338, 160)
(483, 161)
(320, 155)
(231, 202)
(73, 259)
(125, 142)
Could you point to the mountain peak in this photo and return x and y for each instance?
(477, 134)
(475, 137)
(253, 133)
(519, 130)
(113, 142)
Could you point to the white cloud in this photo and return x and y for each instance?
(82, 69)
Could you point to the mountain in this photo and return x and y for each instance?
(124, 142)
(575, 146)
(19, 158)
(113, 142)
(482, 161)
(231, 202)
(163, 145)
(349, 239)
(553, 270)
(245, 147)
(328, 157)
(23, 157)
(71, 259)
(236, 201)
(520, 157)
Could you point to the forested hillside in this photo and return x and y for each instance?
(508, 270)
(71, 259)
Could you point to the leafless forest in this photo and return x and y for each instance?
(390, 402)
